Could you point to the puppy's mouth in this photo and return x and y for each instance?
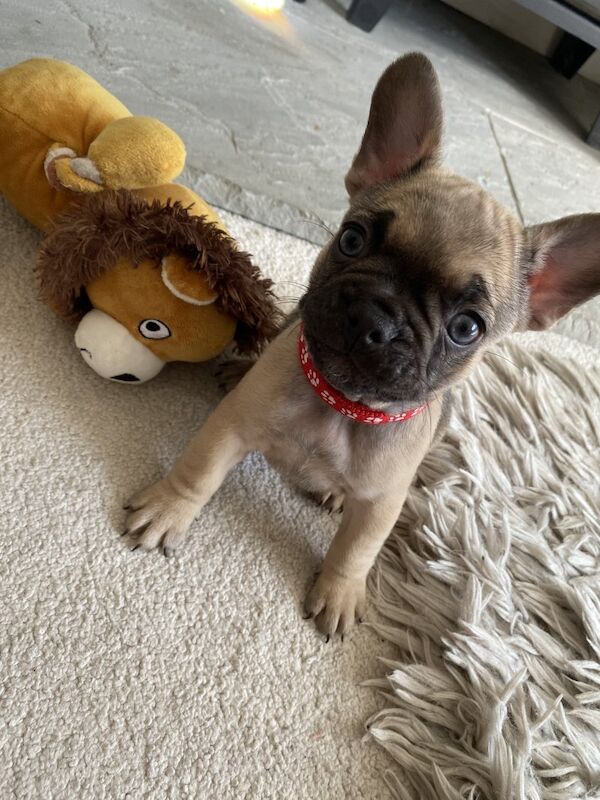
(361, 377)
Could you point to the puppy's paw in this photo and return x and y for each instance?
(158, 516)
(335, 602)
(230, 373)
(333, 502)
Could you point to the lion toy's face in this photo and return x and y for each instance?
(148, 283)
(146, 315)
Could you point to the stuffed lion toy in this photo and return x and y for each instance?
(144, 265)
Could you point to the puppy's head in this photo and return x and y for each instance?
(427, 269)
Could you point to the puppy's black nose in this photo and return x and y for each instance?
(369, 325)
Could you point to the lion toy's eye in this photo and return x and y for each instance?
(154, 329)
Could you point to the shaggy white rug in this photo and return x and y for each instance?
(490, 587)
(125, 675)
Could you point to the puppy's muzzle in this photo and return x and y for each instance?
(353, 318)
(369, 325)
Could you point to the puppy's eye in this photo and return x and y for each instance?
(351, 241)
(465, 328)
(154, 329)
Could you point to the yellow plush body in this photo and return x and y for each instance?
(50, 106)
(145, 264)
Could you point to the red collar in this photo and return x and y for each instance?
(338, 402)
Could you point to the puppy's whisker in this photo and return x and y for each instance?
(505, 358)
(291, 330)
(320, 224)
(428, 408)
(429, 421)
(436, 397)
(302, 286)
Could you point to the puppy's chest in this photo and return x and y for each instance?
(316, 451)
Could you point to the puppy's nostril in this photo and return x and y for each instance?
(347, 295)
(368, 326)
(375, 337)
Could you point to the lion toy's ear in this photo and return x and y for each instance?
(186, 284)
(163, 282)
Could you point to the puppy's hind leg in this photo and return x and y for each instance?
(332, 501)
(162, 513)
(230, 372)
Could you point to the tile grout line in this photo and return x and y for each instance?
(511, 185)
(522, 126)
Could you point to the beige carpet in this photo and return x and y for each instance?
(127, 675)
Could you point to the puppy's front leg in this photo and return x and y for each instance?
(162, 513)
(338, 596)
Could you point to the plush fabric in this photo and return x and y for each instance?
(47, 104)
(107, 251)
(76, 163)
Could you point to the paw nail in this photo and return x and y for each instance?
(134, 548)
(125, 532)
(167, 552)
(327, 638)
(126, 508)
(360, 620)
(307, 616)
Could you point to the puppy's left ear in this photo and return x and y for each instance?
(405, 124)
(563, 267)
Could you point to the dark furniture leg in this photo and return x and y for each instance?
(593, 138)
(570, 55)
(367, 13)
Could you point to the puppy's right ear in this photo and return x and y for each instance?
(563, 268)
(405, 124)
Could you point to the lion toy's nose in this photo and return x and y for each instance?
(111, 351)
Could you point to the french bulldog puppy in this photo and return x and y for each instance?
(426, 272)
